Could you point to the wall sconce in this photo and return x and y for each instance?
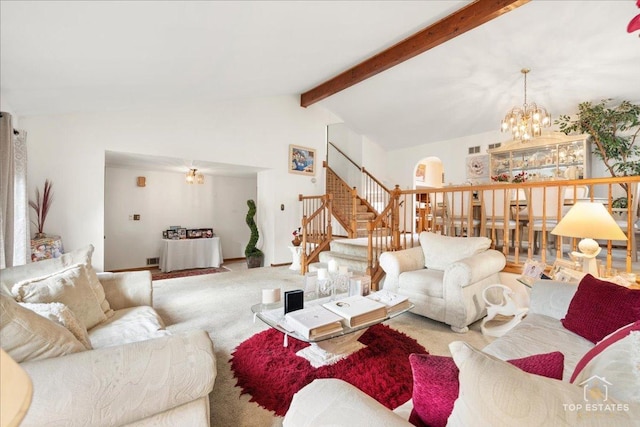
(193, 177)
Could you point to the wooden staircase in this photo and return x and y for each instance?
(368, 231)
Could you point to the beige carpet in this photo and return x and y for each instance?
(220, 304)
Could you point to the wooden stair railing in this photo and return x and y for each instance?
(316, 227)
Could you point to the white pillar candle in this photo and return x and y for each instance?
(322, 274)
(333, 266)
(269, 296)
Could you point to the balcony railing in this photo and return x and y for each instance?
(519, 217)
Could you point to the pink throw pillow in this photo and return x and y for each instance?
(600, 307)
(435, 383)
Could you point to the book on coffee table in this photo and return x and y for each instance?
(358, 310)
(394, 302)
(314, 322)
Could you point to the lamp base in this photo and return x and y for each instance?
(589, 249)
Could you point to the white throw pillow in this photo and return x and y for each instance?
(13, 275)
(442, 251)
(616, 358)
(496, 393)
(27, 336)
(70, 287)
(63, 316)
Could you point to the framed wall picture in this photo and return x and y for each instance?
(302, 160)
(478, 167)
(420, 172)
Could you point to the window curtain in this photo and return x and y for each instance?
(14, 204)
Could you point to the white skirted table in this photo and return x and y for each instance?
(190, 253)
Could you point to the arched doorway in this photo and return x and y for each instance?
(427, 173)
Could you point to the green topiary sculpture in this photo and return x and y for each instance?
(253, 254)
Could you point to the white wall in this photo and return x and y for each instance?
(453, 153)
(70, 150)
(219, 203)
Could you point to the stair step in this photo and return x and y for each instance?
(317, 265)
(354, 263)
(349, 247)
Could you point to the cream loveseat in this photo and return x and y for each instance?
(495, 393)
(98, 353)
(444, 277)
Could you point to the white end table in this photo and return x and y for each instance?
(296, 251)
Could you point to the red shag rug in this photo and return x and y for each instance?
(271, 373)
(185, 273)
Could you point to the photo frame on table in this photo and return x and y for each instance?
(194, 233)
(164, 234)
(207, 233)
(566, 271)
(302, 160)
(172, 234)
(182, 233)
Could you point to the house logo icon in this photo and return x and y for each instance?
(595, 389)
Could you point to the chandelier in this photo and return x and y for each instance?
(528, 121)
(193, 177)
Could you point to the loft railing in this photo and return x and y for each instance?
(519, 217)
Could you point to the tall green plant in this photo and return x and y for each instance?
(41, 205)
(251, 249)
(620, 154)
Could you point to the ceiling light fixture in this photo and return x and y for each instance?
(193, 177)
(528, 121)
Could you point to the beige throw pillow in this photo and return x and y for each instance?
(70, 287)
(63, 316)
(442, 251)
(13, 275)
(27, 336)
(496, 393)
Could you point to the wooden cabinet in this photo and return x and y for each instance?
(555, 156)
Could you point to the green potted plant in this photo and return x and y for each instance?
(255, 257)
(613, 131)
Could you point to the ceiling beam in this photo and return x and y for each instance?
(459, 22)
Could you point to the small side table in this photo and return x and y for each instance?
(296, 251)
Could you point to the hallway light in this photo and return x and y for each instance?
(193, 177)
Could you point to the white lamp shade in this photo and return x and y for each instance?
(15, 391)
(589, 220)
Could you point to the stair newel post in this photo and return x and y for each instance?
(354, 213)
(395, 218)
(329, 236)
(370, 228)
(303, 253)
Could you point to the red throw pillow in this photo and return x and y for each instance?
(435, 383)
(600, 307)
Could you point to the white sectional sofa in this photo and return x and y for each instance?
(494, 393)
(111, 366)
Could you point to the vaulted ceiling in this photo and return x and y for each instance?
(61, 57)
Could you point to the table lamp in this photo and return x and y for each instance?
(15, 391)
(589, 221)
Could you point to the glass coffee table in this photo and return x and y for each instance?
(327, 349)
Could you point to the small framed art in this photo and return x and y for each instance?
(302, 160)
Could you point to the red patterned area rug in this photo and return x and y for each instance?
(271, 373)
(186, 273)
